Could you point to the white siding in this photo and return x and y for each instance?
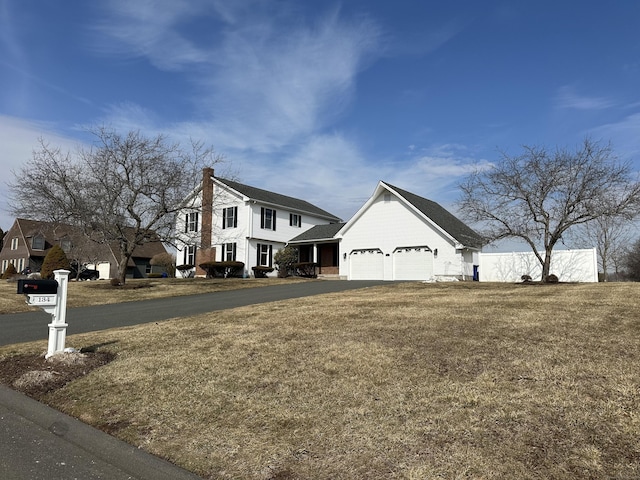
(388, 224)
(248, 232)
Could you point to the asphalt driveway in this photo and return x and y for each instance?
(31, 326)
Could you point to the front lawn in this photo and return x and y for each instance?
(412, 380)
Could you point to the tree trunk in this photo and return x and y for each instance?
(122, 268)
(546, 265)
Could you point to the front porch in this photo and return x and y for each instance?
(326, 256)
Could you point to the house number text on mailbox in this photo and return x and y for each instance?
(42, 300)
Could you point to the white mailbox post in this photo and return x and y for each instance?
(58, 325)
(51, 296)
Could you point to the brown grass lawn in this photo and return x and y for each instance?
(83, 294)
(413, 381)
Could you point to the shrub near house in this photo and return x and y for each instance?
(223, 269)
(9, 272)
(56, 259)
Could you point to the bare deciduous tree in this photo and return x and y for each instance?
(124, 190)
(539, 195)
(611, 236)
(632, 261)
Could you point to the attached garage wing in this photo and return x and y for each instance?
(412, 263)
(366, 264)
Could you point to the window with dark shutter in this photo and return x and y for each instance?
(295, 220)
(191, 222)
(267, 218)
(189, 254)
(230, 217)
(265, 255)
(229, 252)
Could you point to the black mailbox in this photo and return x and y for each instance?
(34, 287)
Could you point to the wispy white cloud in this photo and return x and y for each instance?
(434, 171)
(568, 98)
(271, 85)
(267, 91)
(152, 29)
(623, 136)
(18, 139)
(8, 41)
(268, 81)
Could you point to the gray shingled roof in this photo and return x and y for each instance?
(443, 218)
(278, 199)
(319, 232)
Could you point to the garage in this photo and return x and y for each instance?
(412, 263)
(366, 264)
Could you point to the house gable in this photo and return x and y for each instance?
(397, 235)
(430, 212)
(441, 218)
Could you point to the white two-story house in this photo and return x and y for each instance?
(226, 220)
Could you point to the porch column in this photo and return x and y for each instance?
(315, 253)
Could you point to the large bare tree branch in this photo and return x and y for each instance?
(125, 189)
(540, 195)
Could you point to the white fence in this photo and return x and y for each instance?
(567, 265)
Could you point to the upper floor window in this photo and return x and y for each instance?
(191, 222)
(229, 252)
(268, 219)
(295, 220)
(230, 217)
(37, 242)
(14, 243)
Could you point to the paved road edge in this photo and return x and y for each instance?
(125, 457)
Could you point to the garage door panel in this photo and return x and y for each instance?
(366, 265)
(412, 263)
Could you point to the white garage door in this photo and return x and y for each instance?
(412, 263)
(366, 265)
(103, 268)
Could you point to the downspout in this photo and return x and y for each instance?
(249, 236)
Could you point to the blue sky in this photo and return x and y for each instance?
(321, 99)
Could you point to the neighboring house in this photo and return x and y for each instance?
(229, 221)
(396, 235)
(28, 241)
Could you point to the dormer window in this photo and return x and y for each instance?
(65, 244)
(37, 242)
